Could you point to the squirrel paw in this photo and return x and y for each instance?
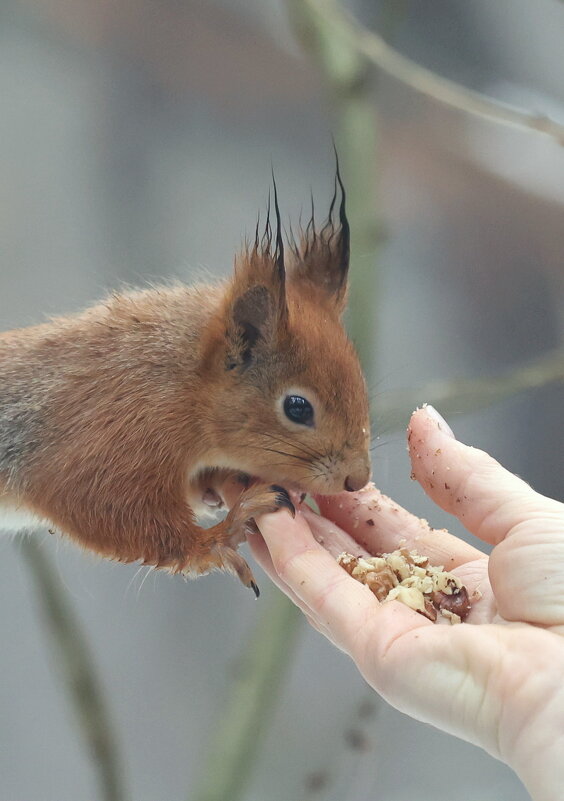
(218, 546)
(257, 500)
(260, 499)
(232, 562)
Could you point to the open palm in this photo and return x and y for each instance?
(496, 680)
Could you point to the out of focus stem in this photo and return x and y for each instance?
(76, 670)
(245, 714)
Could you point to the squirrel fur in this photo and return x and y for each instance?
(117, 422)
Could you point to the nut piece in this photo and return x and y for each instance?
(408, 577)
(410, 596)
(457, 604)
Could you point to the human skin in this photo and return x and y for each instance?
(496, 680)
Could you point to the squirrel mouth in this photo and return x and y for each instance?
(212, 498)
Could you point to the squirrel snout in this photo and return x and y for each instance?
(358, 480)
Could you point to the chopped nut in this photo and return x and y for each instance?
(457, 603)
(399, 565)
(408, 577)
(430, 610)
(410, 596)
(454, 618)
(381, 582)
(347, 561)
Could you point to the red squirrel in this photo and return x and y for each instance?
(118, 424)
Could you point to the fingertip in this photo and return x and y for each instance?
(426, 421)
(279, 527)
(331, 505)
(434, 415)
(465, 481)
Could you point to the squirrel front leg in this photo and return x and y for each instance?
(257, 500)
(247, 502)
(158, 527)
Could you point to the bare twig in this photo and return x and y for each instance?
(463, 395)
(341, 26)
(77, 669)
(252, 695)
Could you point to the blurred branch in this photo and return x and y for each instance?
(344, 28)
(346, 73)
(253, 694)
(77, 670)
(462, 395)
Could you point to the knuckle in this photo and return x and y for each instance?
(325, 598)
(292, 566)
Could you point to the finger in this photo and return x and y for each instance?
(334, 539)
(260, 552)
(488, 499)
(474, 576)
(473, 572)
(262, 556)
(380, 525)
(455, 677)
(527, 573)
(435, 673)
(331, 597)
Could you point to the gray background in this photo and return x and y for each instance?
(136, 141)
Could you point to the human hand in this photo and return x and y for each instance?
(496, 680)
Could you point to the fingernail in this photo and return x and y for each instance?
(439, 420)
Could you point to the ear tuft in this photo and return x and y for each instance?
(256, 300)
(322, 258)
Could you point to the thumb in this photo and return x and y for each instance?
(469, 483)
(526, 567)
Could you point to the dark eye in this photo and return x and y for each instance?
(298, 410)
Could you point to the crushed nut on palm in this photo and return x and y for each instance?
(408, 577)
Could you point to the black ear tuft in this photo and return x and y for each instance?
(279, 249)
(344, 235)
(323, 257)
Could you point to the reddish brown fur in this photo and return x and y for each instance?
(108, 418)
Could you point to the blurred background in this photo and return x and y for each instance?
(136, 145)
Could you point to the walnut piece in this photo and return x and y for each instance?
(408, 577)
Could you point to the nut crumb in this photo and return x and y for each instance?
(408, 577)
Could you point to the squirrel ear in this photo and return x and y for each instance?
(252, 325)
(322, 259)
(257, 299)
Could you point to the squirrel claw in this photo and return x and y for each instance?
(255, 589)
(283, 500)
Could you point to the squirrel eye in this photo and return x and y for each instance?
(298, 410)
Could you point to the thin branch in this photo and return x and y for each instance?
(423, 80)
(77, 670)
(246, 712)
(464, 395)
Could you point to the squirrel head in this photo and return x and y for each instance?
(288, 400)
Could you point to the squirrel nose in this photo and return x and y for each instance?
(356, 482)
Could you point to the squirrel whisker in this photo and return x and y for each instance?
(305, 449)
